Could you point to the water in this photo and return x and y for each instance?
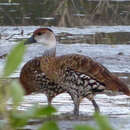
(100, 32)
(114, 57)
(117, 108)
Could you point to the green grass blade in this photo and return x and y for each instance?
(47, 111)
(17, 119)
(16, 92)
(14, 59)
(40, 111)
(50, 125)
(83, 127)
(102, 122)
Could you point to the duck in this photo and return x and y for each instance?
(78, 75)
(32, 78)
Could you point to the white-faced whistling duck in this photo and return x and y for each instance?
(78, 75)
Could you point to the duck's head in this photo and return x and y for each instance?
(43, 36)
(46, 37)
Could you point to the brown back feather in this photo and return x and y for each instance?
(27, 77)
(54, 68)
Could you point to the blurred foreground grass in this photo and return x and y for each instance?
(12, 119)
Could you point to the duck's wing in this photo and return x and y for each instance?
(56, 67)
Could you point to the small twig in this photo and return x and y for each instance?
(21, 33)
(13, 35)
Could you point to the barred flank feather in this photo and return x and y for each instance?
(54, 69)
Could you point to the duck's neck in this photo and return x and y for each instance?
(50, 52)
(49, 44)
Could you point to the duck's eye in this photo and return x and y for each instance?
(39, 33)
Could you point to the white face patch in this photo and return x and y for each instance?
(41, 39)
(47, 39)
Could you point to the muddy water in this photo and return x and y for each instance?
(115, 57)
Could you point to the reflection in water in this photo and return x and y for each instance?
(64, 12)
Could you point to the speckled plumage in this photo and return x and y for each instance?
(32, 77)
(34, 80)
(81, 77)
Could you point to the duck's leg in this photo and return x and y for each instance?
(90, 96)
(49, 99)
(76, 108)
(96, 107)
(76, 101)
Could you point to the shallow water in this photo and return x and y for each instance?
(116, 108)
(114, 57)
(108, 45)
